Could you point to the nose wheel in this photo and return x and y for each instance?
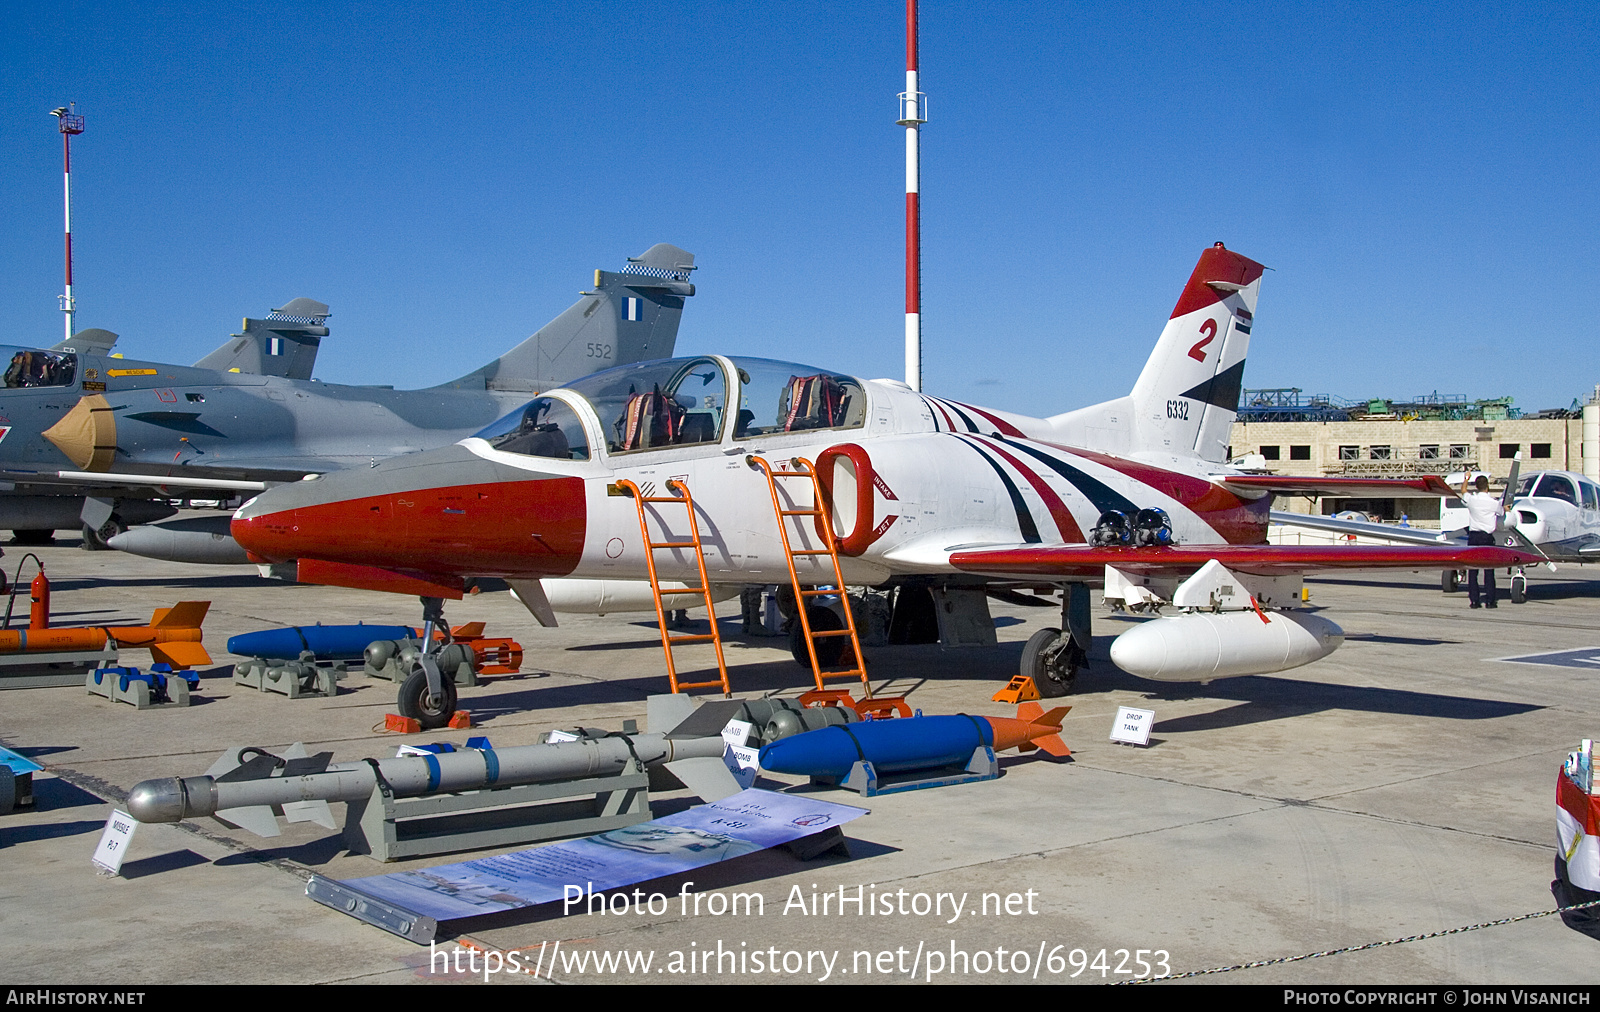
(1450, 581)
(426, 696)
(1519, 587)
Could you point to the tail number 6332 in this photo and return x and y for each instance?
(1178, 410)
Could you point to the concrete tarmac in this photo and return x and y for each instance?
(1402, 787)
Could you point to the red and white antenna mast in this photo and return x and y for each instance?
(913, 113)
(71, 123)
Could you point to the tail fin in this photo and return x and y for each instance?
(1188, 394)
(1187, 397)
(630, 316)
(284, 344)
(1036, 715)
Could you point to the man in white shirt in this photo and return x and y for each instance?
(1483, 512)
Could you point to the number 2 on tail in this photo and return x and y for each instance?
(1209, 329)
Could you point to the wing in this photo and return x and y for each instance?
(1266, 560)
(1288, 484)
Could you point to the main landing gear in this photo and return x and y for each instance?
(1053, 658)
(426, 695)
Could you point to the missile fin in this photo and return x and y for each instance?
(180, 655)
(183, 615)
(226, 762)
(707, 777)
(665, 711)
(310, 811)
(1053, 744)
(257, 819)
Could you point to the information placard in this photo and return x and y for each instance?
(114, 842)
(1132, 727)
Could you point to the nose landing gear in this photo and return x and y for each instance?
(426, 695)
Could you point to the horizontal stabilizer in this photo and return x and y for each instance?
(1288, 484)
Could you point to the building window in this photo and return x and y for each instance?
(1540, 450)
(1349, 453)
(1428, 451)
(1509, 450)
(1460, 451)
(1377, 453)
(1269, 452)
(1299, 453)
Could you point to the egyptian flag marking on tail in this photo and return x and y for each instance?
(632, 308)
(1242, 320)
(274, 346)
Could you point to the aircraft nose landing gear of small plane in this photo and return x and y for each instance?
(1450, 581)
(426, 695)
(1519, 586)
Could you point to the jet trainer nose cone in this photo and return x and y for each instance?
(445, 511)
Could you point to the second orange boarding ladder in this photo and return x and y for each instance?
(682, 498)
(823, 525)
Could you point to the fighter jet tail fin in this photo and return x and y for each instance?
(284, 344)
(1187, 397)
(630, 316)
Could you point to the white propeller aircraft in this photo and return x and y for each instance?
(927, 493)
(1553, 514)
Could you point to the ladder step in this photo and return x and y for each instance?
(852, 673)
(672, 544)
(682, 590)
(810, 551)
(800, 513)
(830, 632)
(697, 638)
(700, 685)
(820, 592)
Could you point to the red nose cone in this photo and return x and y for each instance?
(510, 529)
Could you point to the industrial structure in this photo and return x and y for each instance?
(1320, 435)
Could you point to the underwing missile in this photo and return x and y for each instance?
(913, 743)
(242, 788)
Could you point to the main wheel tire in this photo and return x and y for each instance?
(416, 703)
(1048, 662)
(1449, 581)
(829, 648)
(1519, 590)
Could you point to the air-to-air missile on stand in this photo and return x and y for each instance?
(450, 801)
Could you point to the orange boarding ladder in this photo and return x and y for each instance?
(824, 527)
(682, 498)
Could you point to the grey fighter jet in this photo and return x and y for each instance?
(103, 442)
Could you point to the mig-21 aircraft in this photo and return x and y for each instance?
(943, 499)
(105, 442)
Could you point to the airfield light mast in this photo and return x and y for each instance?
(71, 123)
(913, 113)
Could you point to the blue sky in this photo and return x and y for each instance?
(1420, 177)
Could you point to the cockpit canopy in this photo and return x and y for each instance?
(683, 402)
(31, 367)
